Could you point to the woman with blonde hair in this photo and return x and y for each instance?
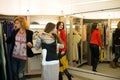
(21, 40)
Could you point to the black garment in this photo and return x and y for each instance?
(51, 50)
(113, 42)
(11, 40)
(69, 76)
(117, 44)
(117, 37)
(60, 76)
(94, 56)
(117, 54)
(60, 56)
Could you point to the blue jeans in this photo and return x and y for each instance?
(18, 67)
(117, 54)
(94, 56)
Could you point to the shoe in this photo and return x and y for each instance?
(69, 76)
(112, 64)
(94, 70)
(117, 64)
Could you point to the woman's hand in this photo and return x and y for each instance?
(29, 44)
(62, 52)
(40, 33)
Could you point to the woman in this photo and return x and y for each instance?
(95, 42)
(62, 52)
(21, 40)
(114, 63)
(48, 41)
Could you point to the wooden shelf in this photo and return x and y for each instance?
(33, 72)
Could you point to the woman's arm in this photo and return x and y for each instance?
(99, 39)
(30, 39)
(63, 38)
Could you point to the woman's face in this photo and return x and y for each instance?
(60, 26)
(98, 26)
(17, 24)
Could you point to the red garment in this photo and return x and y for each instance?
(96, 38)
(63, 38)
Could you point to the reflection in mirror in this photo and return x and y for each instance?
(79, 48)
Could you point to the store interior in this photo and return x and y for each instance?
(78, 15)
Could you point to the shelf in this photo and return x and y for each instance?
(33, 72)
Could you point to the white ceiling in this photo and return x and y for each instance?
(60, 7)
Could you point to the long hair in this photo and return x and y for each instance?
(22, 21)
(49, 27)
(118, 24)
(94, 26)
(58, 24)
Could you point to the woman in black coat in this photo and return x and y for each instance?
(114, 63)
(21, 41)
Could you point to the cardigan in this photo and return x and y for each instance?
(11, 40)
(117, 36)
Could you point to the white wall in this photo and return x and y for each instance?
(54, 7)
(44, 19)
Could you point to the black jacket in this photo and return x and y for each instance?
(117, 37)
(11, 40)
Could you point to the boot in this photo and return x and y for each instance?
(94, 67)
(117, 64)
(60, 76)
(69, 76)
(112, 64)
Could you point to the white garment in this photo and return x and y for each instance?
(50, 69)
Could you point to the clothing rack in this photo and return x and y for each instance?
(6, 17)
(6, 27)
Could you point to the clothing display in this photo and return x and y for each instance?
(35, 37)
(84, 36)
(3, 67)
(6, 30)
(7, 26)
(76, 43)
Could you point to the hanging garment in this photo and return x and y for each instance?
(35, 37)
(84, 36)
(7, 28)
(113, 42)
(2, 58)
(76, 39)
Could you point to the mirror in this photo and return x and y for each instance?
(79, 54)
(78, 34)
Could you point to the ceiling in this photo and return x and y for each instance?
(81, 8)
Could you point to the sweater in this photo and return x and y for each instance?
(96, 38)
